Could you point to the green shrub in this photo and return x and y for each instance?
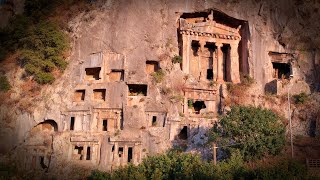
(43, 52)
(4, 84)
(246, 80)
(286, 170)
(190, 103)
(159, 75)
(177, 59)
(301, 98)
(212, 83)
(41, 42)
(44, 78)
(254, 131)
(177, 165)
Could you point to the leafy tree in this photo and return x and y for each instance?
(254, 131)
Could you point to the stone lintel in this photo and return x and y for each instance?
(84, 139)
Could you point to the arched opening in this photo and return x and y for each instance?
(50, 125)
(183, 135)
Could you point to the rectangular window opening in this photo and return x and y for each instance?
(72, 121)
(93, 73)
(79, 95)
(121, 120)
(130, 154)
(105, 125)
(154, 120)
(226, 62)
(195, 45)
(281, 70)
(42, 164)
(137, 89)
(88, 157)
(209, 74)
(99, 94)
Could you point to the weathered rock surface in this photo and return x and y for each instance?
(134, 32)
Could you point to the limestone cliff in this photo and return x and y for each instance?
(130, 41)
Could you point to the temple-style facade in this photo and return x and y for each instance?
(210, 49)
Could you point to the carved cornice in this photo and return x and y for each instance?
(214, 35)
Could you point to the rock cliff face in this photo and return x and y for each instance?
(108, 108)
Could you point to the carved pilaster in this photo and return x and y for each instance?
(186, 50)
(234, 56)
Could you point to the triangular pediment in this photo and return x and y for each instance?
(208, 27)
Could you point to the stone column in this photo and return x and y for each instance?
(186, 50)
(219, 63)
(234, 68)
(118, 123)
(84, 154)
(125, 155)
(185, 105)
(116, 155)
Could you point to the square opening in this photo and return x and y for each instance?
(99, 94)
(116, 75)
(105, 125)
(137, 89)
(152, 66)
(72, 121)
(79, 95)
(93, 73)
(88, 157)
(281, 70)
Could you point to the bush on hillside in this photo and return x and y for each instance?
(254, 131)
(177, 59)
(174, 165)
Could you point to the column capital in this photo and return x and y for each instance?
(234, 44)
(218, 44)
